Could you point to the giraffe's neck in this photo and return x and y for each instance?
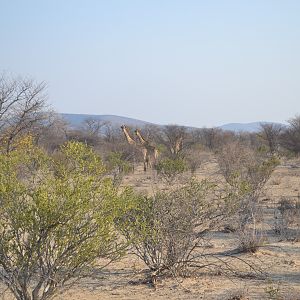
(128, 138)
(178, 145)
(142, 140)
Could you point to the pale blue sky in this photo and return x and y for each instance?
(165, 61)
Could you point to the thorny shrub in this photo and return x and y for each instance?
(167, 230)
(246, 172)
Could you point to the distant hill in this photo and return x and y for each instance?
(75, 120)
(245, 127)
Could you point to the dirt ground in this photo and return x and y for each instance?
(279, 259)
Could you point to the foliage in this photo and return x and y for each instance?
(56, 217)
(118, 166)
(168, 169)
(116, 161)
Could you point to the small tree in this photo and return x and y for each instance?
(291, 135)
(246, 173)
(56, 218)
(172, 136)
(211, 137)
(53, 134)
(271, 132)
(22, 107)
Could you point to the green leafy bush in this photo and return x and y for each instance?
(169, 169)
(57, 217)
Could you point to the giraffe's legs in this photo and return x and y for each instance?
(145, 156)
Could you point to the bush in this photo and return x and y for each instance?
(118, 166)
(287, 219)
(246, 173)
(169, 169)
(250, 240)
(167, 229)
(195, 157)
(56, 218)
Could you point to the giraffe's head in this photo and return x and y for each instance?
(123, 127)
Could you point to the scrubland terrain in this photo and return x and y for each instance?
(279, 259)
(162, 212)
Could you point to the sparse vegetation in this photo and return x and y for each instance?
(287, 219)
(23, 108)
(168, 229)
(56, 218)
(68, 210)
(246, 172)
(291, 135)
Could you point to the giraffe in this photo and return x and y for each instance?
(129, 139)
(178, 146)
(132, 142)
(152, 152)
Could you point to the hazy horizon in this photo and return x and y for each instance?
(173, 123)
(195, 63)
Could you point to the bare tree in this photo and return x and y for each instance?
(271, 132)
(291, 135)
(22, 107)
(112, 134)
(172, 137)
(211, 137)
(93, 126)
(53, 132)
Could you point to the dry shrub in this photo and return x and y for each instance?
(238, 295)
(246, 172)
(170, 170)
(167, 230)
(250, 240)
(275, 292)
(195, 157)
(233, 160)
(287, 219)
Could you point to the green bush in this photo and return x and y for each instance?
(118, 166)
(169, 169)
(57, 217)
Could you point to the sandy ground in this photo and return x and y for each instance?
(280, 259)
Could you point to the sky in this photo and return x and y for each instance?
(197, 63)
